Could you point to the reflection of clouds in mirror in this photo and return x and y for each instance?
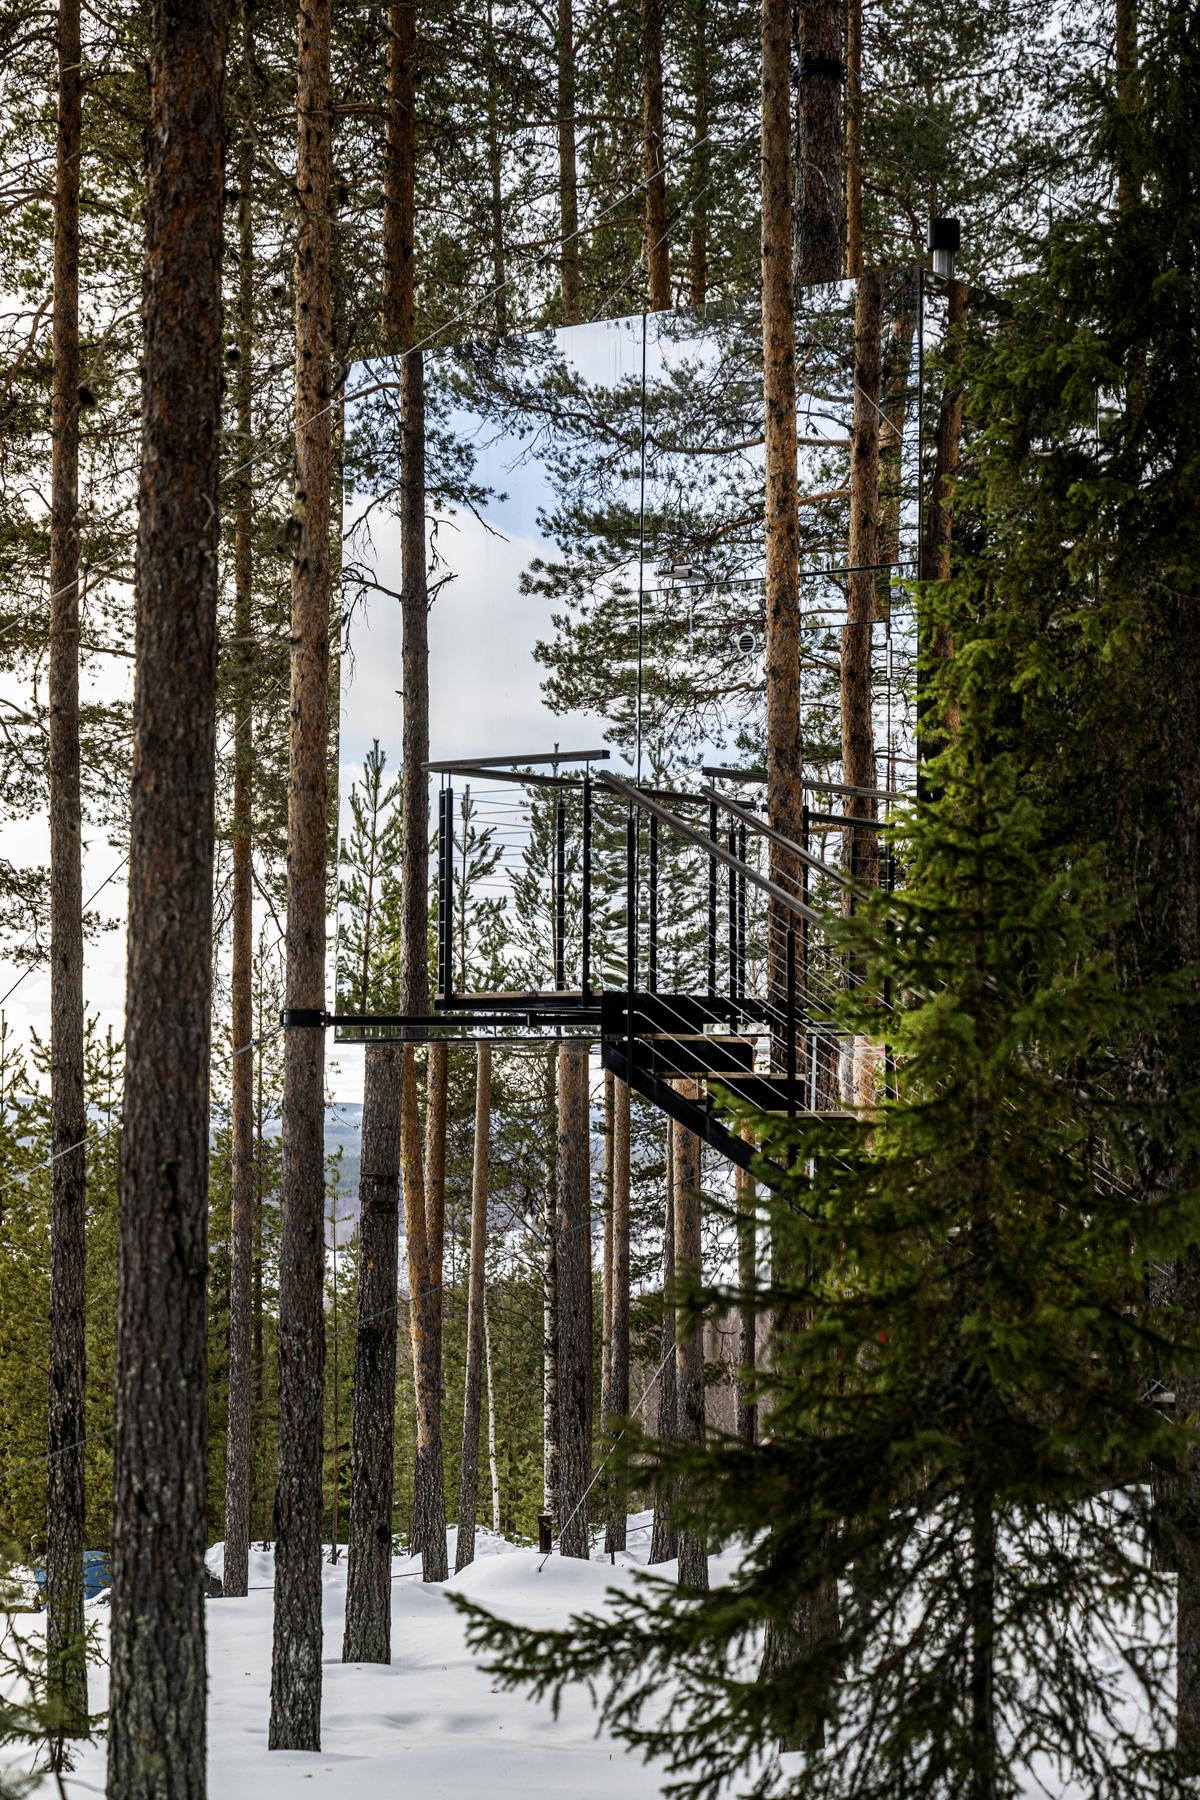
(484, 687)
(549, 430)
(536, 488)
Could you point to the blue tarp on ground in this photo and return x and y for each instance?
(97, 1573)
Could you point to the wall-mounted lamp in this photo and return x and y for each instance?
(944, 239)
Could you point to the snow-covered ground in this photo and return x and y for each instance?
(430, 1725)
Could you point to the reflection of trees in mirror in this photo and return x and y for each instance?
(368, 973)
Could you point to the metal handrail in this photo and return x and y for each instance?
(753, 823)
(710, 847)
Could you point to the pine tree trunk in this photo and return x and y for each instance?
(664, 1543)
(241, 976)
(897, 365)
(785, 794)
(367, 1635)
(499, 274)
(616, 1393)
(550, 1460)
(689, 1341)
(701, 160)
(156, 1722)
(854, 172)
(399, 321)
(296, 1654)
(258, 1397)
(981, 1601)
(656, 249)
(493, 1463)
(423, 1224)
(66, 1668)
(747, 1421)
(860, 852)
(607, 1264)
(1126, 56)
(468, 1486)
(822, 71)
(574, 1301)
(572, 298)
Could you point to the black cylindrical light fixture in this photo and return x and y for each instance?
(944, 239)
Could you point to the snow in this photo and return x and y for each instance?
(431, 1723)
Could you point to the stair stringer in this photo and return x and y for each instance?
(694, 1118)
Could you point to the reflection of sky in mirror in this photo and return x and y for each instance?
(486, 695)
(549, 549)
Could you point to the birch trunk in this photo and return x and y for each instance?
(296, 1656)
(66, 1666)
(157, 1695)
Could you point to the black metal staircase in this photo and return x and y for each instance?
(749, 1040)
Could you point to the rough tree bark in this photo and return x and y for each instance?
(860, 851)
(701, 159)
(493, 1462)
(550, 1484)
(499, 274)
(861, 844)
(785, 793)
(664, 1543)
(818, 222)
(66, 1667)
(399, 319)
(156, 1723)
(854, 172)
(368, 1636)
(897, 396)
(468, 1485)
(574, 1300)
(656, 250)
(568, 193)
(1125, 47)
(607, 1262)
(689, 1340)
(296, 1651)
(241, 976)
(615, 1400)
(747, 1411)
(424, 1196)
